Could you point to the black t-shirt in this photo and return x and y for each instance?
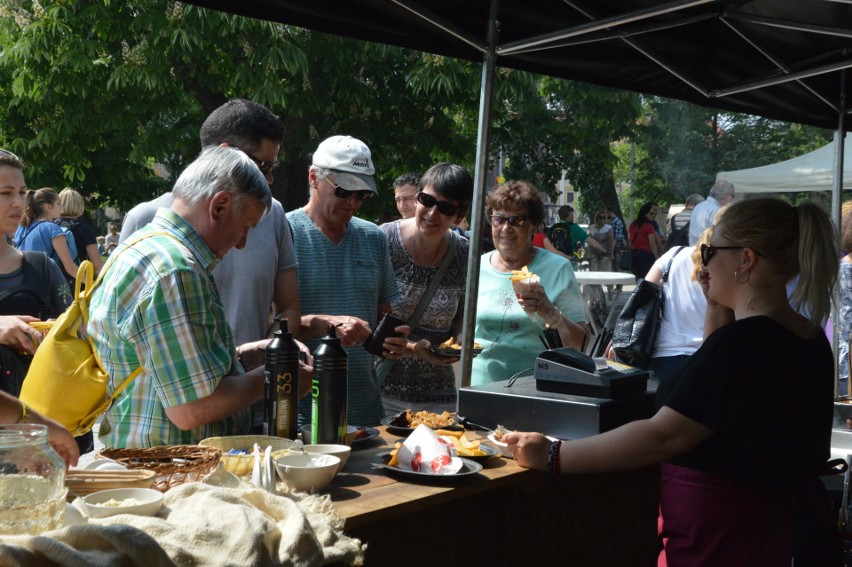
(767, 395)
(84, 234)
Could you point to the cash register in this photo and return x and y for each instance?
(566, 394)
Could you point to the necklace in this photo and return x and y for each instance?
(418, 256)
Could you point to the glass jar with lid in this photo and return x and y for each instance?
(32, 481)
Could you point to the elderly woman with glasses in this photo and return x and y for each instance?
(418, 246)
(509, 325)
(760, 388)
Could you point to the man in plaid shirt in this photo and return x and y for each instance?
(158, 307)
(620, 237)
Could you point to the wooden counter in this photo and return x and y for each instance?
(505, 515)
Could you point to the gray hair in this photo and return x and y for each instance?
(222, 168)
(321, 172)
(694, 199)
(721, 188)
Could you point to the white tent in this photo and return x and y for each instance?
(813, 171)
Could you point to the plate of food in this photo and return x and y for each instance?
(363, 435)
(468, 469)
(404, 422)
(452, 348)
(467, 448)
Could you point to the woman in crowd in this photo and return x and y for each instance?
(760, 386)
(72, 205)
(39, 290)
(418, 246)
(38, 231)
(510, 338)
(845, 287)
(602, 232)
(645, 243)
(681, 329)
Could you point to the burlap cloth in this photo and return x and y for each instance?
(199, 525)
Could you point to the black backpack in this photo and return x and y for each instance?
(678, 237)
(560, 237)
(31, 297)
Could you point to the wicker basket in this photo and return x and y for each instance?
(173, 464)
(242, 465)
(81, 482)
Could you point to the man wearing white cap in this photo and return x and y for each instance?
(345, 274)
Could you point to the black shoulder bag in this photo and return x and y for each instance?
(635, 331)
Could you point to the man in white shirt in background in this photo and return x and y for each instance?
(720, 195)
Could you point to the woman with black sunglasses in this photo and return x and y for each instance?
(509, 326)
(744, 431)
(421, 379)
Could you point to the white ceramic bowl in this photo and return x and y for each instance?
(148, 502)
(504, 448)
(351, 430)
(342, 452)
(306, 472)
(104, 464)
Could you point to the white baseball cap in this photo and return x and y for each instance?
(350, 161)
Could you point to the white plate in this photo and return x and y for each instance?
(468, 469)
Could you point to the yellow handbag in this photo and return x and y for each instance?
(66, 380)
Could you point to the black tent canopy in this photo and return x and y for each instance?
(781, 59)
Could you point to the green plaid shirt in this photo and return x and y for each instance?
(158, 307)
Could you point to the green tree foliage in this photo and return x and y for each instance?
(680, 147)
(96, 92)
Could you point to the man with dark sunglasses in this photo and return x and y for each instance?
(346, 278)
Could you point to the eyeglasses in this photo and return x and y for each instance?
(342, 193)
(265, 167)
(708, 251)
(514, 220)
(444, 207)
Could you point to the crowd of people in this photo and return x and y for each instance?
(197, 276)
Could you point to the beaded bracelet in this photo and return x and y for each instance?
(554, 467)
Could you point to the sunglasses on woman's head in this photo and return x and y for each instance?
(444, 207)
(514, 220)
(7, 153)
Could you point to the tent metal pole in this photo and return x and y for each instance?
(480, 184)
(836, 205)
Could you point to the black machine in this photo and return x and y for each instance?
(568, 395)
(568, 371)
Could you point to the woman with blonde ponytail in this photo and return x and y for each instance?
(744, 431)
